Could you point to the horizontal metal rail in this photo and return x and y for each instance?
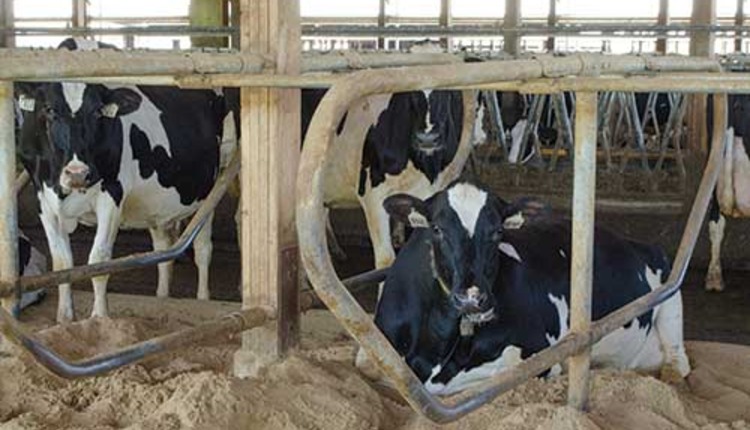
(311, 221)
(134, 261)
(229, 324)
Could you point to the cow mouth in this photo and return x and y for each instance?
(480, 317)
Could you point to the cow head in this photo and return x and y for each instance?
(65, 124)
(466, 225)
(438, 116)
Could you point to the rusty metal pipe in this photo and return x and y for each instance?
(137, 260)
(311, 222)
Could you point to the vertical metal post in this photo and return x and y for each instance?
(7, 20)
(551, 24)
(662, 20)
(445, 22)
(582, 260)
(511, 25)
(381, 23)
(208, 13)
(739, 21)
(80, 14)
(8, 209)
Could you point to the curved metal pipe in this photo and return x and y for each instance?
(135, 261)
(311, 224)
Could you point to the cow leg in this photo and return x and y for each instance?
(107, 225)
(203, 248)
(62, 258)
(161, 239)
(669, 329)
(716, 224)
(378, 225)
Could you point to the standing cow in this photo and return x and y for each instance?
(732, 194)
(119, 157)
(478, 288)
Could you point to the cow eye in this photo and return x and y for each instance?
(437, 232)
(497, 235)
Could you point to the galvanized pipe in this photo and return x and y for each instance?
(8, 202)
(137, 260)
(582, 258)
(21, 181)
(311, 221)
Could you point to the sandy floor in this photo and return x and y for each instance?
(318, 388)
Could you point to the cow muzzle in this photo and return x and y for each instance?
(75, 176)
(428, 142)
(473, 306)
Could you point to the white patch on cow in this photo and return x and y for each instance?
(110, 110)
(228, 146)
(714, 281)
(86, 44)
(562, 253)
(479, 136)
(467, 201)
(26, 103)
(147, 118)
(515, 138)
(741, 177)
(428, 125)
(417, 220)
(509, 250)
(73, 94)
(653, 278)
(510, 357)
(555, 370)
(514, 222)
(563, 313)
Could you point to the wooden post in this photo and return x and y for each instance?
(7, 20)
(582, 259)
(662, 20)
(551, 24)
(8, 205)
(80, 14)
(512, 39)
(445, 22)
(270, 144)
(381, 23)
(207, 13)
(739, 21)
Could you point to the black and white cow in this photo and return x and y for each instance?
(482, 284)
(412, 142)
(119, 157)
(732, 194)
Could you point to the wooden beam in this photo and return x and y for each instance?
(551, 23)
(381, 23)
(512, 39)
(663, 19)
(80, 14)
(445, 21)
(7, 40)
(739, 21)
(207, 13)
(270, 143)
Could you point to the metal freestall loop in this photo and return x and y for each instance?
(311, 224)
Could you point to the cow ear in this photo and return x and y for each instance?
(407, 209)
(25, 93)
(121, 101)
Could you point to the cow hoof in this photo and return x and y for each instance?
(671, 374)
(714, 281)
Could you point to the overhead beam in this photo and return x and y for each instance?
(662, 20)
(511, 23)
(270, 144)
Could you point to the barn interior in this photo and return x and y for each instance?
(649, 164)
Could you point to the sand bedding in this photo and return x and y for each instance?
(318, 388)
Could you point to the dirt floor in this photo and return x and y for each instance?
(318, 388)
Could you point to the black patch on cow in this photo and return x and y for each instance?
(310, 100)
(24, 253)
(192, 127)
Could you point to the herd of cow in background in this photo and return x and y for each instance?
(480, 284)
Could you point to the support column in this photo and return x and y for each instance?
(512, 20)
(701, 45)
(381, 23)
(8, 204)
(80, 14)
(270, 128)
(582, 259)
(445, 22)
(7, 40)
(662, 20)
(739, 21)
(207, 13)
(551, 24)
